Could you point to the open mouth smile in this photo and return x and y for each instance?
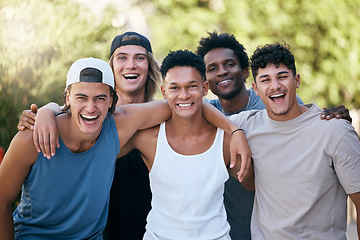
(131, 76)
(185, 104)
(277, 97)
(89, 119)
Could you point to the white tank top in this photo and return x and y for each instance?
(187, 193)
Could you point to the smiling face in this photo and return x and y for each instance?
(276, 87)
(89, 104)
(224, 73)
(130, 66)
(184, 89)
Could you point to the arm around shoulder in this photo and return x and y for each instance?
(132, 117)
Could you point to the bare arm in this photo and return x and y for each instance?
(132, 117)
(45, 135)
(356, 200)
(13, 170)
(238, 144)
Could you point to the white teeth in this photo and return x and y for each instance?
(89, 116)
(184, 105)
(277, 95)
(224, 81)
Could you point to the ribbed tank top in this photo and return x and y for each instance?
(187, 200)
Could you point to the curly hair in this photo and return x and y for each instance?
(182, 58)
(153, 78)
(274, 53)
(223, 40)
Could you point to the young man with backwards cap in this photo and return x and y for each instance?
(137, 76)
(67, 197)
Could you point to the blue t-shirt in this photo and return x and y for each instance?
(237, 200)
(67, 196)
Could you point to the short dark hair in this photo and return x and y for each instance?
(223, 40)
(182, 58)
(274, 53)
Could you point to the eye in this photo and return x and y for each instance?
(210, 69)
(173, 88)
(121, 58)
(229, 64)
(193, 86)
(141, 58)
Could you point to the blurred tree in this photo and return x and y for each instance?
(39, 40)
(324, 37)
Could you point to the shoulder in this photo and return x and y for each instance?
(22, 147)
(246, 116)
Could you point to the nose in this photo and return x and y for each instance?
(131, 63)
(275, 84)
(91, 106)
(222, 70)
(183, 93)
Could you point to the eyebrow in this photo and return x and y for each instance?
(226, 60)
(84, 95)
(190, 82)
(137, 54)
(279, 73)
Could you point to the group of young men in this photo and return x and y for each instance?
(304, 167)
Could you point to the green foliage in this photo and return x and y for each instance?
(324, 37)
(39, 40)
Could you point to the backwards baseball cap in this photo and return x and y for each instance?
(118, 42)
(90, 70)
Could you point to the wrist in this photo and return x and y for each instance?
(236, 130)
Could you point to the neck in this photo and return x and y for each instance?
(76, 141)
(236, 103)
(294, 112)
(186, 127)
(129, 98)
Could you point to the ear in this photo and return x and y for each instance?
(163, 92)
(297, 80)
(111, 101)
(246, 73)
(67, 97)
(205, 88)
(255, 88)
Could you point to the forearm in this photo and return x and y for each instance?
(217, 118)
(51, 106)
(146, 115)
(6, 224)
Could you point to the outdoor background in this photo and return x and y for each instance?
(40, 39)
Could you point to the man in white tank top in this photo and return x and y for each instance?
(187, 158)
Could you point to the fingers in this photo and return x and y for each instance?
(336, 112)
(244, 168)
(54, 143)
(27, 120)
(34, 108)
